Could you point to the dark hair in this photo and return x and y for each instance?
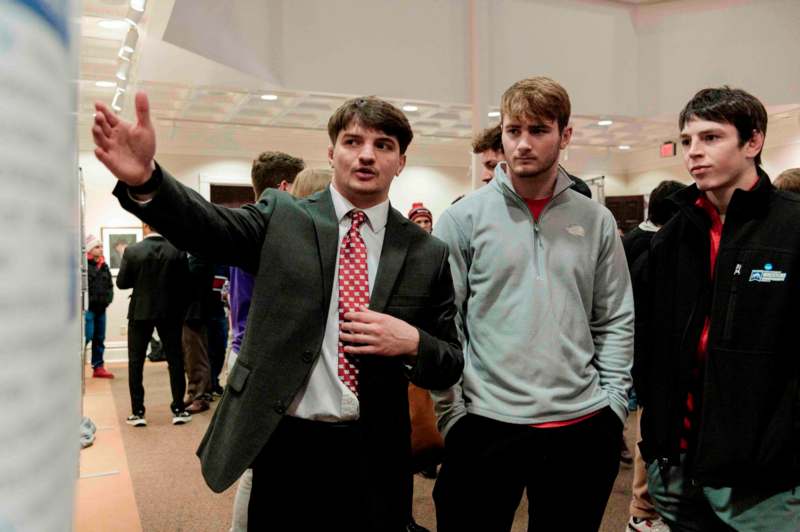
(271, 168)
(490, 138)
(789, 180)
(660, 209)
(732, 106)
(372, 113)
(534, 98)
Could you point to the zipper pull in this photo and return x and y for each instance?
(738, 270)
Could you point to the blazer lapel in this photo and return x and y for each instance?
(393, 256)
(320, 206)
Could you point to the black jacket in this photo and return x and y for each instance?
(749, 425)
(636, 241)
(203, 302)
(157, 271)
(101, 289)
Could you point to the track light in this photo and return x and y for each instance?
(130, 41)
(122, 71)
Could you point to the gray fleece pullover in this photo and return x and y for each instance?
(545, 307)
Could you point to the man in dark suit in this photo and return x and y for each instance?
(317, 401)
(156, 271)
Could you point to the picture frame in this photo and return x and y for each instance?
(115, 240)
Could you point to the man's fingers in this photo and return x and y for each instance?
(110, 117)
(143, 110)
(100, 120)
(99, 138)
(366, 316)
(103, 157)
(357, 327)
(360, 350)
(357, 338)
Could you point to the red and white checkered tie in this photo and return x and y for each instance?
(353, 290)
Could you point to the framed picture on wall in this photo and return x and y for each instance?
(115, 240)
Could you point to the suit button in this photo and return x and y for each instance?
(307, 357)
(280, 408)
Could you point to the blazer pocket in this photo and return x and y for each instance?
(238, 376)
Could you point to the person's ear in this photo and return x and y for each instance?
(754, 146)
(566, 136)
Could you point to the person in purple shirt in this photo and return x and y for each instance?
(271, 170)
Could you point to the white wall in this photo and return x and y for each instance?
(686, 46)
(614, 59)
(590, 48)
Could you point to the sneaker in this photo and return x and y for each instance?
(217, 391)
(638, 524)
(136, 421)
(181, 418)
(102, 373)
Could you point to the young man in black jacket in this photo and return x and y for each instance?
(718, 379)
(101, 292)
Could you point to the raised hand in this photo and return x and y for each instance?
(126, 149)
(378, 334)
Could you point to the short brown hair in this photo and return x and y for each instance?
(311, 180)
(789, 180)
(732, 106)
(490, 138)
(372, 113)
(537, 97)
(271, 168)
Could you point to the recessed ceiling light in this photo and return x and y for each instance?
(493, 114)
(624, 147)
(410, 108)
(104, 84)
(269, 97)
(604, 122)
(113, 24)
(137, 5)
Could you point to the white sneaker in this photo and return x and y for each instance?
(136, 421)
(637, 524)
(181, 418)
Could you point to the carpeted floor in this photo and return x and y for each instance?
(172, 497)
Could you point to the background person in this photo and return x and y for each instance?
(280, 171)
(101, 293)
(643, 516)
(156, 271)
(789, 180)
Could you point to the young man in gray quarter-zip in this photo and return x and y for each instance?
(546, 317)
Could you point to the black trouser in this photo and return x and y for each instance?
(313, 475)
(139, 334)
(568, 473)
(217, 332)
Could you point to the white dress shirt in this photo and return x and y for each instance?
(324, 397)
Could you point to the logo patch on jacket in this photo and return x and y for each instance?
(576, 230)
(767, 275)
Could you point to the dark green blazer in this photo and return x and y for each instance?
(290, 246)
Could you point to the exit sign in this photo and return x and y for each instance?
(668, 149)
